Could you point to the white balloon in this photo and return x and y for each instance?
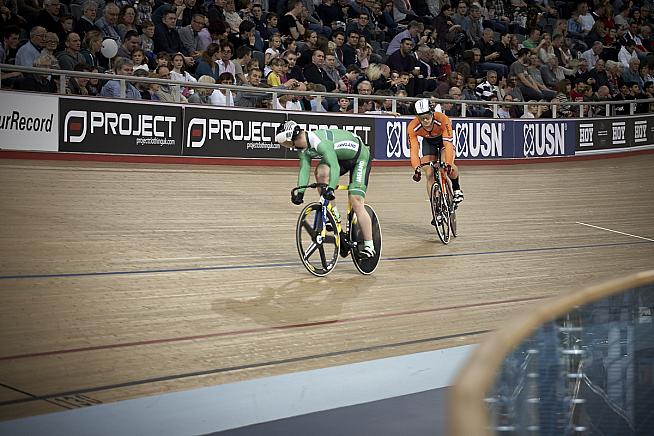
(109, 48)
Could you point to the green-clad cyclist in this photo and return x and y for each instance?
(340, 152)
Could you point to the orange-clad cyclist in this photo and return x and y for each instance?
(435, 128)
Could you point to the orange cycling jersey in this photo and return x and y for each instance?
(441, 127)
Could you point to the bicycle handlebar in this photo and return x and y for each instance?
(318, 185)
(432, 163)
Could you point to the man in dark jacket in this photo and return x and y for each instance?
(314, 72)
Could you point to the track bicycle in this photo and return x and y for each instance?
(441, 198)
(321, 237)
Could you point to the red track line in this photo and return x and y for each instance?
(266, 329)
(46, 155)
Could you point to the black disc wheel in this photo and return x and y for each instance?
(366, 265)
(440, 212)
(318, 247)
(449, 198)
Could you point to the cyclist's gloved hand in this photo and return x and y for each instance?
(297, 198)
(329, 194)
(417, 176)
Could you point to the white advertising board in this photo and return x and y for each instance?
(29, 121)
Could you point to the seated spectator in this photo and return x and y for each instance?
(627, 53)
(533, 110)
(140, 60)
(314, 72)
(77, 85)
(207, 65)
(166, 37)
(126, 20)
(122, 67)
(344, 105)
(37, 82)
(202, 95)
(507, 111)
(70, 57)
(632, 73)
(86, 22)
(27, 54)
(168, 93)
(220, 96)
(108, 23)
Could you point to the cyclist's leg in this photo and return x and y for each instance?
(322, 173)
(430, 147)
(449, 156)
(359, 176)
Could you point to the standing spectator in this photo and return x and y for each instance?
(27, 54)
(122, 67)
(71, 56)
(86, 22)
(109, 22)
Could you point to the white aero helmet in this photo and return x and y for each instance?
(287, 131)
(423, 106)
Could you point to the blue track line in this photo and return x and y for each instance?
(291, 264)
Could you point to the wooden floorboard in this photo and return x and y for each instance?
(124, 280)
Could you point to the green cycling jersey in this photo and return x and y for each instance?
(342, 151)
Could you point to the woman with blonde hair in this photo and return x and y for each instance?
(91, 48)
(207, 64)
(202, 95)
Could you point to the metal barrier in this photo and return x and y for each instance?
(177, 85)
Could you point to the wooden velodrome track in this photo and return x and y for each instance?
(122, 280)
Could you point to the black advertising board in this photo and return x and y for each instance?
(594, 133)
(232, 133)
(643, 131)
(95, 126)
(614, 133)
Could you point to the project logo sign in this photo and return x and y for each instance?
(479, 139)
(146, 128)
(258, 134)
(124, 128)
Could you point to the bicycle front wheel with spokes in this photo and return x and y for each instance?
(440, 212)
(317, 244)
(366, 266)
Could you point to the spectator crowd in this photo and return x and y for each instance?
(483, 51)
